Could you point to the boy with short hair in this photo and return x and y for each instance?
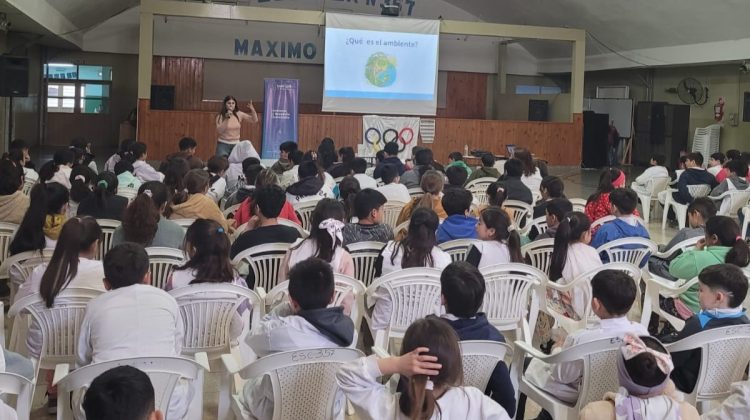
(457, 159)
(269, 201)
(657, 169)
(132, 319)
(217, 166)
(550, 188)
(462, 292)
(698, 212)
(715, 163)
(284, 163)
(735, 181)
(393, 190)
(623, 202)
(304, 322)
(121, 393)
(694, 175)
(457, 176)
(613, 294)
(187, 146)
(556, 210)
(487, 170)
(368, 207)
(359, 166)
(722, 289)
(291, 176)
(459, 225)
(391, 157)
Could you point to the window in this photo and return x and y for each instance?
(537, 90)
(78, 89)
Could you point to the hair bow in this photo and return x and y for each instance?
(333, 227)
(148, 193)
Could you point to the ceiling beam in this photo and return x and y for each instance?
(50, 19)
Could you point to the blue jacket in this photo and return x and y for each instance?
(499, 388)
(692, 176)
(617, 229)
(457, 226)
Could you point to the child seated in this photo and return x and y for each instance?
(193, 203)
(132, 319)
(305, 322)
(598, 204)
(310, 187)
(735, 406)
(511, 182)
(124, 152)
(457, 159)
(735, 181)
(392, 190)
(623, 202)
(698, 212)
(613, 293)
(499, 240)
(555, 211)
(456, 176)
(431, 363)
(368, 208)
(121, 393)
(141, 168)
(187, 146)
(250, 173)
(462, 292)
(125, 178)
(459, 225)
(284, 163)
(645, 389)
(551, 187)
(657, 169)
(723, 288)
(217, 167)
(716, 163)
(487, 170)
(359, 166)
(242, 156)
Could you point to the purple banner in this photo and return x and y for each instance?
(280, 115)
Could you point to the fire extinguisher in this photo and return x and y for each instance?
(719, 110)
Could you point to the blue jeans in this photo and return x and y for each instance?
(224, 149)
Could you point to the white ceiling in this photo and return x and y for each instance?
(623, 26)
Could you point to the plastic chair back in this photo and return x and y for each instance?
(479, 358)
(20, 266)
(108, 229)
(458, 249)
(28, 184)
(700, 190)
(22, 388)
(478, 188)
(510, 300)
(391, 210)
(519, 212)
(415, 192)
(304, 212)
(602, 220)
(7, 232)
(364, 255)
(629, 250)
(59, 325)
(161, 263)
(579, 204)
(302, 232)
(207, 310)
(539, 253)
(127, 192)
(732, 201)
(264, 261)
(304, 382)
(229, 211)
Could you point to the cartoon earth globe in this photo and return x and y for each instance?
(381, 70)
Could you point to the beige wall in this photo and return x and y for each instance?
(510, 106)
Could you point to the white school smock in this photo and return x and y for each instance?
(373, 400)
(146, 172)
(395, 192)
(493, 253)
(581, 258)
(563, 379)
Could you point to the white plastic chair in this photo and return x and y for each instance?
(304, 382)
(479, 358)
(127, 192)
(304, 212)
(414, 293)
(364, 255)
(18, 268)
(108, 229)
(22, 388)
(7, 232)
(28, 184)
(653, 187)
(599, 359)
(657, 286)
(391, 210)
(745, 221)
(164, 373)
(730, 202)
(680, 210)
(59, 325)
(579, 204)
(264, 261)
(539, 253)
(725, 354)
(540, 223)
(207, 310)
(161, 262)
(403, 227)
(602, 220)
(519, 212)
(511, 300)
(229, 211)
(302, 232)
(415, 192)
(629, 250)
(458, 249)
(184, 223)
(478, 188)
(682, 246)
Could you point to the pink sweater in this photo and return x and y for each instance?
(228, 129)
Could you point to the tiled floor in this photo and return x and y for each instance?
(578, 183)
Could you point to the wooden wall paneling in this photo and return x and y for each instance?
(466, 96)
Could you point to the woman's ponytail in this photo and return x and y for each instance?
(728, 233)
(739, 255)
(573, 225)
(418, 402)
(106, 186)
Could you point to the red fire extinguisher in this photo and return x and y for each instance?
(719, 110)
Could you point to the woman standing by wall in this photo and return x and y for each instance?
(229, 123)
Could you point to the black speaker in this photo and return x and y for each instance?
(162, 97)
(538, 110)
(14, 76)
(746, 108)
(595, 131)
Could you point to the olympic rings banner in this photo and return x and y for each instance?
(377, 131)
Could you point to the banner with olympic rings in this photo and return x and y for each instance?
(377, 131)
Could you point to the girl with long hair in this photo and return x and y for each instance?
(13, 202)
(533, 172)
(229, 123)
(81, 183)
(325, 240)
(246, 211)
(143, 221)
(499, 240)
(103, 203)
(432, 184)
(43, 221)
(348, 189)
(193, 203)
(598, 205)
(123, 153)
(431, 364)
(174, 174)
(418, 249)
(572, 256)
(207, 248)
(59, 168)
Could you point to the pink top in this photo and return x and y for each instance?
(228, 129)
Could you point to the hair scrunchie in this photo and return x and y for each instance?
(148, 193)
(79, 178)
(103, 183)
(333, 227)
